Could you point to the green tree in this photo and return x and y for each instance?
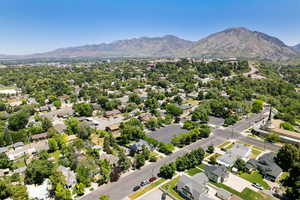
(104, 197)
(19, 192)
(152, 124)
(79, 189)
(18, 121)
(210, 149)
(287, 156)
(167, 171)
(293, 182)
(257, 106)
(62, 193)
(240, 165)
(124, 162)
(287, 126)
(139, 160)
(37, 171)
(46, 123)
(53, 146)
(83, 175)
(4, 161)
(83, 109)
(72, 125)
(174, 110)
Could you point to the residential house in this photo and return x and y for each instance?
(145, 117)
(266, 165)
(136, 147)
(18, 145)
(69, 175)
(37, 137)
(112, 159)
(193, 187)
(112, 113)
(216, 173)
(113, 128)
(237, 151)
(3, 149)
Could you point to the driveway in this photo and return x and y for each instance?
(154, 195)
(238, 183)
(166, 133)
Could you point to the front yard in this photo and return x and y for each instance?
(255, 177)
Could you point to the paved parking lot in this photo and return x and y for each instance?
(166, 133)
(216, 121)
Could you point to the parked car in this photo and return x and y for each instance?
(136, 188)
(145, 182)
(257, 185)
(152, 179)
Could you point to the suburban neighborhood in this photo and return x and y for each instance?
(147, 129)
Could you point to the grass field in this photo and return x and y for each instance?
(146, 189)
(255, 152)
(224, 144)
(255, 177)
(193, 171)
(246, 194)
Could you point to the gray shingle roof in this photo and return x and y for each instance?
(196, 184)
(266, 165)
(220, 171)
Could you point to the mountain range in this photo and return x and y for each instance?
(297, 48)
(233, 42)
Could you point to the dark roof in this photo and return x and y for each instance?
(220, 171)
(39, 136)
(138, 146)
(266, 165)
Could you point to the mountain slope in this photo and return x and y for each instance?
(241, 42)
(297, 48)
(137, 47)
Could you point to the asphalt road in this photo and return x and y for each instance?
(122, 188)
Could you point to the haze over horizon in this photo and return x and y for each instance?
(35, 26)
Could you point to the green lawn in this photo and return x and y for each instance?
(169, 187)
(255, 177)
(246, 194)
(202, 166)
(193, 171)
(255, 152)
(229, 146)
(19, 163)
(249, 194)
(7, 88)
(146, 189)
(224, 144)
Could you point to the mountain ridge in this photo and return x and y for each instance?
(297, 48)
(242, 42)
(231, 42)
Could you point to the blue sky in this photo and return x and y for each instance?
(30, 26)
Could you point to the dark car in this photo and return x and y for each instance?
(136, 188)
(152, 179)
